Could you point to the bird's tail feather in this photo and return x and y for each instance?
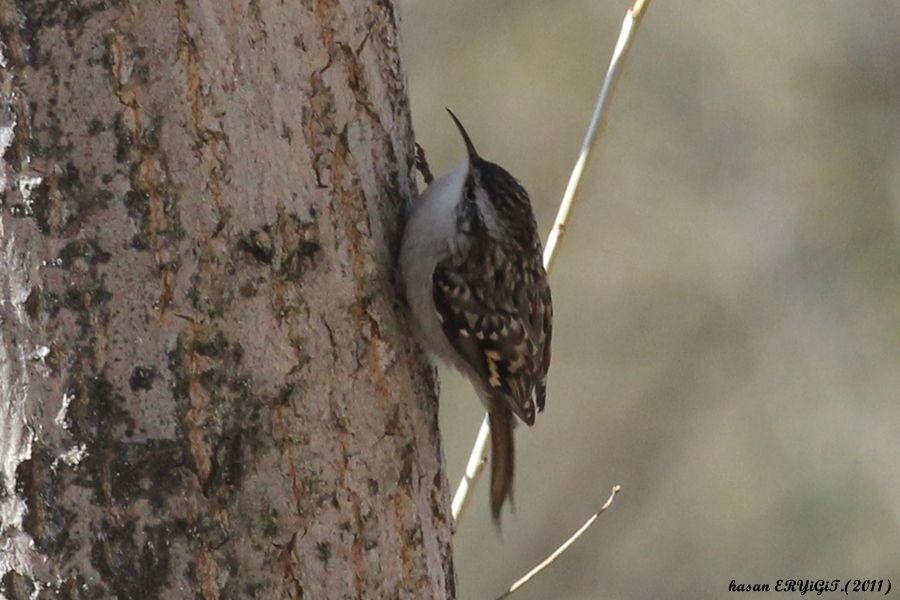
(502, 458)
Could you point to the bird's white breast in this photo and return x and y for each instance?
(428, 238)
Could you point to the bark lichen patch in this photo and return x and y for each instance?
(41, 304)
(216, 399)
(137, 204)
(46, 521)
(82, 254)
(61, 200)
(18, 586)
(80, 298)
(16, 154)
(60, 203)
(227, 465)
(142, 378)
(50, 140)
(151, 470)
(96, 415)
(96, 127)
(133, 563)
(296, 246)
(125, 139)
(60, 13)
(151, 202)
(34, 303)
(296, 253)
(258, 244)
(323, 550)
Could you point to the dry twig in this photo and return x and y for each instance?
(562, 548)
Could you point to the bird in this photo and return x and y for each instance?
(471, 262)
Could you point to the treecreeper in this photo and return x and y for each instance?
(471, 261)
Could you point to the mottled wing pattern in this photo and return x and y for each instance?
(542, 331)
(493, 336)
(521, 263)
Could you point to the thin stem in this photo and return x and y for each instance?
(474, 468)
(562, 548)
(598, 122)
(629, 28)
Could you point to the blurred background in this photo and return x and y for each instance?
(727, 331)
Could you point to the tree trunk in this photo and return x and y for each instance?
(207, 386)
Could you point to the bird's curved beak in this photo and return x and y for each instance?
(470, 148)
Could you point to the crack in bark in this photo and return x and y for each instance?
(211, 142)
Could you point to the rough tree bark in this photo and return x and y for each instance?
(207, 387)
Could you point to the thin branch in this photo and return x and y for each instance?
(474, 467)
(598, 123)
(565, 546)
(629, 28)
